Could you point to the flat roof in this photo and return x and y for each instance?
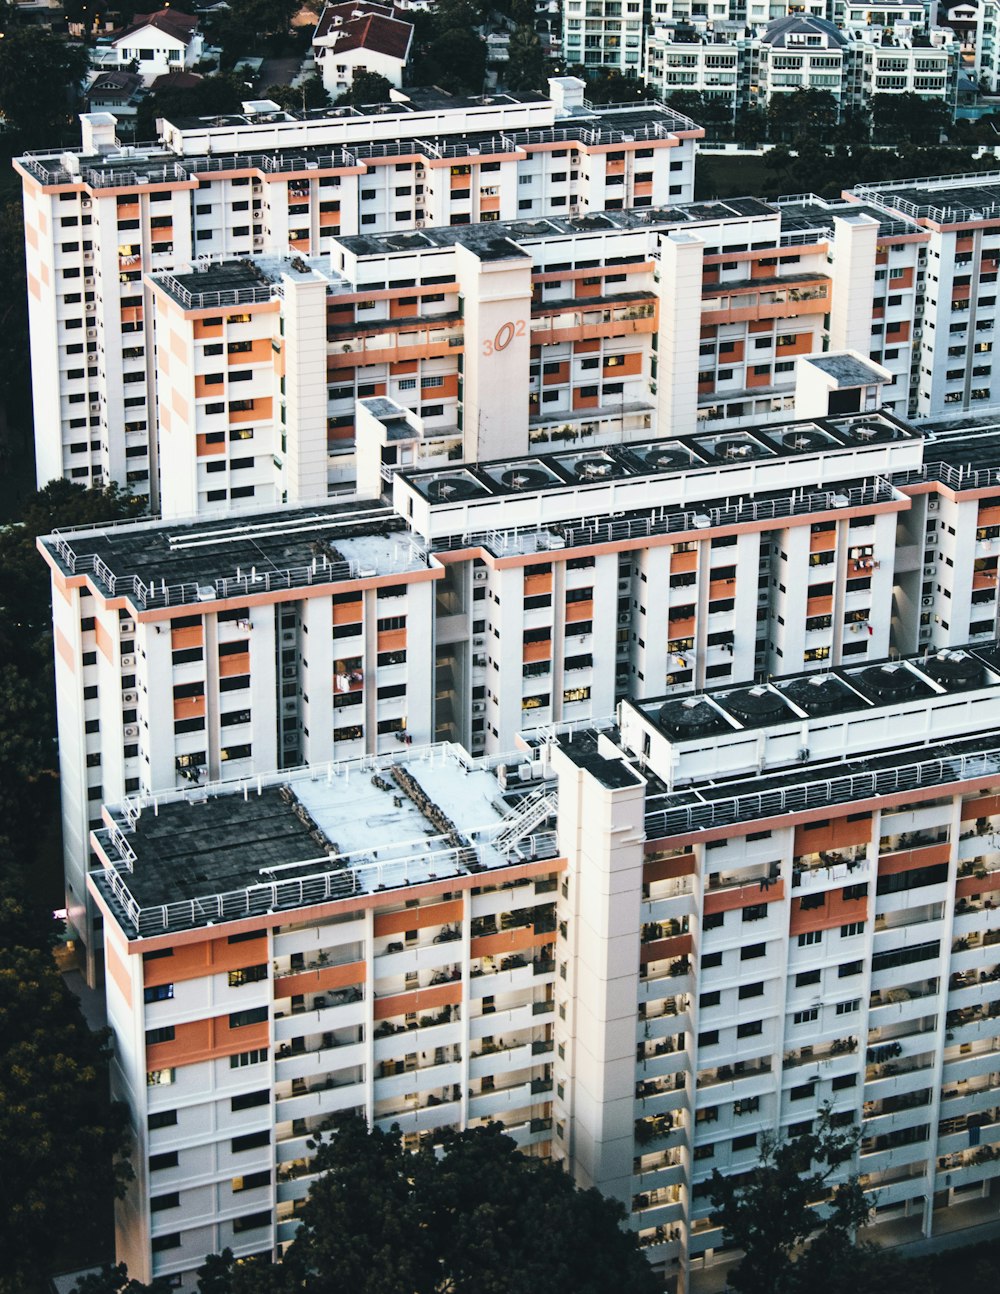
(669, 456)
(943, 199)
(231, 850)
(848, 370)
(167, 563)
(481, 237)
(809, 212)
(842, 689)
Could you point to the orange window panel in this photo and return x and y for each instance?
(836, 911)
(200, 1040)
(507, 941)
(425, 999)
(202, 328)
(665, 869)
(189, 636)
(434, 914)
(837, 834)
(586, 347)
(206, 957)
(321, 979)
(683, 562)
(391, 640)
(628, 366)
(348, 613)
(203, 388)
(743, 896)
(189, 707)
(576, 611)
(536, 584)
(989, 517)
(584, 401)
(823, 541)
(261, 409)
(819, 606)
(681, 628)
(675, 946)
(237, 663)
(205, 450)
(537, 651)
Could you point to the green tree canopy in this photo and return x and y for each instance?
(802, 114)
(527, 68)
(367, 87)
(60, 1135)
(909, 119)
(771, 1213)
(475, 1217)
(40, 79)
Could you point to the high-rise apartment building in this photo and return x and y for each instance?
(485, 600)
(641, 949)
(100, 218)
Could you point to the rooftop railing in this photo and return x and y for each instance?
(257, 295)
(820, 792)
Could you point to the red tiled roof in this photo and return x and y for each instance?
(170, 21)
(176, 81)
(367, 24)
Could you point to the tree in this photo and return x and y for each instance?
(61, 1138)
(310, 94)
(809, 114)
(367, 87)
(115, 1280)
(473, 1217)
(40, 80)
(770, 1212)
(526, 69)
(212, 96)
(909, 119)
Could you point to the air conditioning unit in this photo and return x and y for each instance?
(479, 707)
(932, 505)
(624, 618)
(86, 204)
(130, 698)
(128, 662)
(91, 332)
(927, 602)
(126, 626)
(258, 240)
(479, 576)
(480, 661)
(95, 407)
(929, 570)
(131, 730)
(479, 642)
(855, 628)
(931, 540)
(420, 224)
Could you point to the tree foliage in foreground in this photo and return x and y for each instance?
(790, 1215)
(60, 1136)
(476, 1218)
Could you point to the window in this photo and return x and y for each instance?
(169, 1159)
(255, 1015)
(161, 1243)
(851, 968)
(810, 937)
(708, 1038)
(751, 990)
(250, 1100)
(847, 1008)
(709, 999)
(161, 1119)
(247, 975)
(244, 1058)
(710, 960)
(249, 1181)
(158, 1203)
(844, 1080)
(755, 912)
(752, 951)
(852, 928)
(804, 1017)
(164, 1034)
(158, 993)
(803, 1092)
(251, 1141)
(807, 977)
(747, 1142)
(252, 1222)
(750, 1030)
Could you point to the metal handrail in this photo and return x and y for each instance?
(821, 792)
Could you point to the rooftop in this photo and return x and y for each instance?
(946, 199)
(231, 850)
(161, 564)
(806, 212)
(493, 238)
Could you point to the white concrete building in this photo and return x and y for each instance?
(365, 37)
(157, 43)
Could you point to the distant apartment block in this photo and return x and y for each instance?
(100, 219)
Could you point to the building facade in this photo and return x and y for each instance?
(641, 949)
(97, 220)
(485, 600)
